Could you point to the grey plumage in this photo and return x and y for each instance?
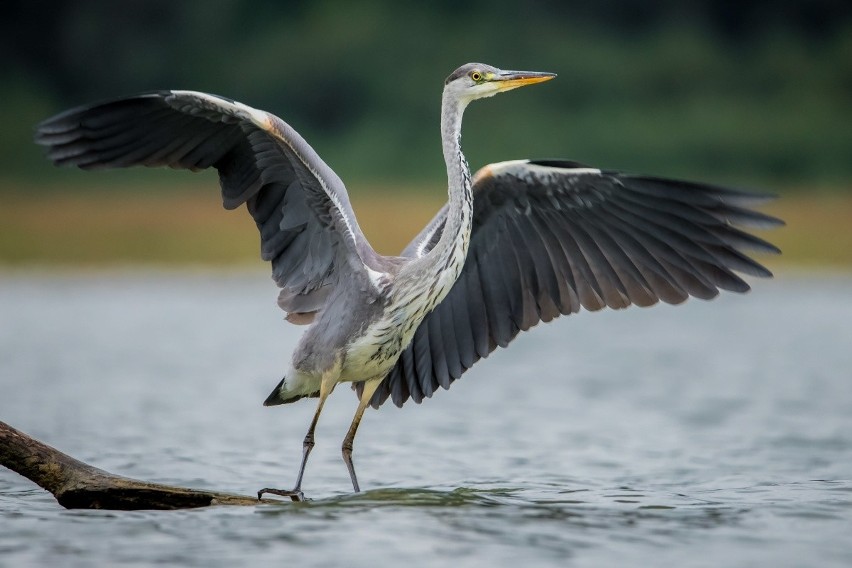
(520, 242)
(552, 237)
(299, 204)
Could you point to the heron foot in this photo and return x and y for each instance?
(293, 494)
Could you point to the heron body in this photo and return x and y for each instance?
(395, 299)
(520, 242)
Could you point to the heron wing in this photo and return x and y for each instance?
(552, 237)
(307, 227)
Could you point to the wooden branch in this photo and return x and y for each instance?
(77, 485)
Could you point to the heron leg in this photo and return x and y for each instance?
(369, 388)
(329, 381)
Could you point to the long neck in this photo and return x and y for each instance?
(452, 246)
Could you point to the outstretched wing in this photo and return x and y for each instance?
(307, 227)
(553, 237)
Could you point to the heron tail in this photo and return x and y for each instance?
(281, 394)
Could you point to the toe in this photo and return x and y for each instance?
(293, 494)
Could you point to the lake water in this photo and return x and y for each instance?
(709, 434)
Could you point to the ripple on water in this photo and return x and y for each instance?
(711, 434)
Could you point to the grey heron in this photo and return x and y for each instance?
(517, 243)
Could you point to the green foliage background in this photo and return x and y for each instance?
(750, 93)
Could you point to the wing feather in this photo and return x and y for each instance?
(551, 237)
(477, 317)
(307, 227)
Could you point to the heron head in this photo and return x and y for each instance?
(478, 80)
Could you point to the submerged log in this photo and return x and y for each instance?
(78, 485)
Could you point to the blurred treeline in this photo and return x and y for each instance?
(755, 93)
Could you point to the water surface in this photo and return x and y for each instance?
(713, 433)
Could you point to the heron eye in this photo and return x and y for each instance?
(476, 76)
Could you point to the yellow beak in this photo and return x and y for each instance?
(507, 80)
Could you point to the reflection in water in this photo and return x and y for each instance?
(714, 431)
(503, 505)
